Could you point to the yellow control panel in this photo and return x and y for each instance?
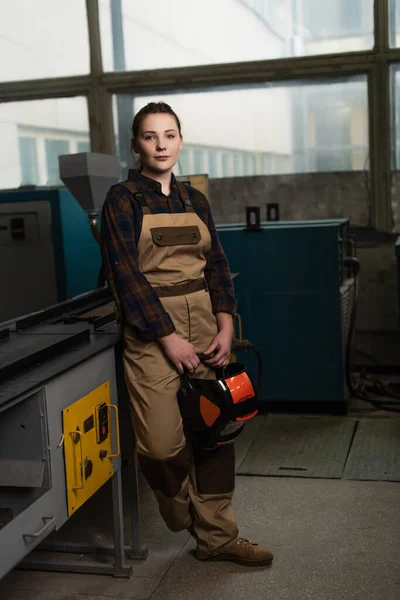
(89, 430)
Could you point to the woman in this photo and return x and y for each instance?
(170, 280)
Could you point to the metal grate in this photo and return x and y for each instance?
(300, 446)
(375, 452)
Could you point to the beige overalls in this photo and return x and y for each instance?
(192, 488)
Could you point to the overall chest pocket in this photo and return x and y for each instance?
(176, 236)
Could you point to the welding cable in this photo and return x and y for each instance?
(369, 357)
(350, 335)
(94, 228)
(101, 278)
(363, 395)
(378, 387)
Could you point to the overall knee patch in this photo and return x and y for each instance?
(166, 475)
(215, 470)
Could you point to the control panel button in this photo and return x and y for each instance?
(102, 425)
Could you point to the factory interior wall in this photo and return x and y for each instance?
(330, 195)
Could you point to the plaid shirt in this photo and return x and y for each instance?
(120, 231)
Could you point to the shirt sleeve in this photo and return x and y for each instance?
(217, 272)
(138, 302)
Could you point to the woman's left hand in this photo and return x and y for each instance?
(221, 344)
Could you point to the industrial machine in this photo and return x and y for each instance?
(61, 389)
(295, 296)
(47, 251)
(55, 379)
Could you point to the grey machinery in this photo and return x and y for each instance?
(60, 389)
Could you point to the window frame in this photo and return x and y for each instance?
(99, 87)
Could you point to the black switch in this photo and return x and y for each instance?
(253, 219)
(88, 424)
(88, 468)
(102, 422)
(273, 211)
(17, 226)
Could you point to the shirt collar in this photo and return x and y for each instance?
(149, 184)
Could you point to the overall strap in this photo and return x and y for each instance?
(129, 185)
(185, 196)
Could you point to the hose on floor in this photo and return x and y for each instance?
(366, 385)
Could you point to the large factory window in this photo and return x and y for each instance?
(43, 39)
(271, 129)
(176, 33)
(34, 133)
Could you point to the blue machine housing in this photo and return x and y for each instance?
(76, 253)
(289, 298)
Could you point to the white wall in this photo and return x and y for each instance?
(43, 38)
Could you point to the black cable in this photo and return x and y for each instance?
(356, 268)
(243, 345)
(259, 368)
(383, 390)
(352, 261)
(369, 357)
(101, 278)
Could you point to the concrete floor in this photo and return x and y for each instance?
(332, 539)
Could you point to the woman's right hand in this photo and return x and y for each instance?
(180, 352)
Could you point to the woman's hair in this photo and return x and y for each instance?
(152, 108)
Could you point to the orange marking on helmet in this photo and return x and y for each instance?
(247, 417)
(240, 387)
(209, 411)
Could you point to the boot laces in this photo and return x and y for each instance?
(245, 543)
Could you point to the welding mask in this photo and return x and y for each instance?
(214, 411)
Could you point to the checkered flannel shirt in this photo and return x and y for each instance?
(121, 224)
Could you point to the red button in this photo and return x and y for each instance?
(103, 430)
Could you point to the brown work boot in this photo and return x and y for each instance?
(243, 552)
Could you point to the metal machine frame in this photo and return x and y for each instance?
(76, 343)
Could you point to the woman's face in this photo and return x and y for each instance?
(158, 142)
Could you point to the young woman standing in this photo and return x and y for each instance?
(171, 283)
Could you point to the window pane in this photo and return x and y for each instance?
(395, 97)
(272, 129)
(184, 162)
(83, 146)
(213, 163)
(53, 149)
(226, 165)
(176, 33)
(43, 39)
(33, 133)
(28, 160)
(238, 165)
(198, 161)
(394, 23)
